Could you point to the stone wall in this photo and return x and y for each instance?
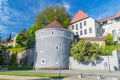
(26, 57)
(104, 63)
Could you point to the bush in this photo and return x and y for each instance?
(18, 50)
(9, 47)
(20, 67)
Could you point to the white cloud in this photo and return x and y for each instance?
(66, 5)
(3, 29)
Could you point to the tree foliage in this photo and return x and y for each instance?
(85, 51)
(109, 39)
(20, 39)
(2, 58)
(49, 14)
(13, 60)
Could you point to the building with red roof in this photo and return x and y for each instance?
(84, 26)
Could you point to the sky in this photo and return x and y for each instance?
(16, 15)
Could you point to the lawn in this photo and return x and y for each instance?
(33, 74)
(110, 49)
(18, 50)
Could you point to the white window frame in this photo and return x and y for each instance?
(42, 61)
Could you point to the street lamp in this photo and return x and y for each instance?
(108, 59)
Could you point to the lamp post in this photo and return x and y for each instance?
(108, 58)
(58, 61)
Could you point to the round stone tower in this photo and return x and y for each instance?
(52, 47)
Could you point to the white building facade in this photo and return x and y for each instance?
(111, 25)
(85, 26)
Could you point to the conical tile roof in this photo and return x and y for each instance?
(54, 24)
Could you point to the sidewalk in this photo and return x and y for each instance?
(10, 77)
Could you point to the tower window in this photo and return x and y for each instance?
(57, 47)
(64, 33)
(42, 33)
(52, 32)
(42, 61)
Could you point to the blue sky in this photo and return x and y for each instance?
(16, 15)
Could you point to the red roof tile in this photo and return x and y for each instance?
(110, 17)
(54, 24)
(79, 16)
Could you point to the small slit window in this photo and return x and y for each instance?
(42, 33)
(71, 36)
(64, 33)
(42, 61)
(57, 47)
(52, 32)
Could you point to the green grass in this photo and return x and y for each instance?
(33, 74)
(20, 68)
(4, 79)
(18, 50)
(110, 49)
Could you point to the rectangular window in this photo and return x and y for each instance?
(80, 25)
(90, 30)
(42, 61)
(76, 26)
(81, 33)
(71, 36)
(52, 32)
(72, 27)
(97, 30)
(85, 31)
(103, 30)
(57, 47)
(42, 33)
(76, 33)
(64, 33)
(113, 33)
(84, 23)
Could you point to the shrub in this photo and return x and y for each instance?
(20, 67)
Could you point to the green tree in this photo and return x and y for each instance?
(49, 14)
(10, 37)
(13, 60)
(109, 39)
(2, 58)
(85, 51)
(20, 39)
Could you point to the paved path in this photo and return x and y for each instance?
(87, 75)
